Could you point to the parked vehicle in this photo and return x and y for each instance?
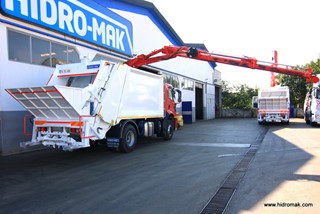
(111, 103)
(273, 105)
(312, 105)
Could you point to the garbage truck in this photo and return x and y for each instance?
(101, 101)
(273, 105)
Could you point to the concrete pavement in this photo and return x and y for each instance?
(284, 176)
(177, 176)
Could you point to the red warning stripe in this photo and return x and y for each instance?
(72, 123)
(34, 92)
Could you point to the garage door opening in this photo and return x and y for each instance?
(199, 101)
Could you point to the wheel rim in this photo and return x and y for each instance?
(130, 138)
(170, 128)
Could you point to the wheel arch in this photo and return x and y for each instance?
(123, 124)
(117, 131)
(170, 115)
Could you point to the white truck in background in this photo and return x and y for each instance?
(312, 105)
(273, 105)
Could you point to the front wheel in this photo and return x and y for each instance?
(168, 128)
(129, 139)
(307, 118)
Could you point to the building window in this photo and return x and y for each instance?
(172, 80)
(59, 54)
(73, 55)
(99, 57)
(187, 84)
(40, 51)
(19, 47)
(34, 50)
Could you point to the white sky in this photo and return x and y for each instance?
(253, 28)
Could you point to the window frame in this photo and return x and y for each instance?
(188, 84)
(51, 43)
(173, 80)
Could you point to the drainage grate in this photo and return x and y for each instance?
(233, 179)
(218, 202)
(221, 198)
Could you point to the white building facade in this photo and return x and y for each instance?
(38, 34)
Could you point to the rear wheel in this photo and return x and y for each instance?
(129, 139)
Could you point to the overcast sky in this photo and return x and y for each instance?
(253, 28)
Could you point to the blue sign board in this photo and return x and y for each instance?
(82, 19)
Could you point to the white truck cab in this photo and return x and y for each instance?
(312, 105)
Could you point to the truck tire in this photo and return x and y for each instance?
(307, 120)
(129, 139)
(306, 117)
(168, 128)
(313, 124)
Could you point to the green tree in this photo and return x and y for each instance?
(298, 86)
(237, 97)
(315, 65)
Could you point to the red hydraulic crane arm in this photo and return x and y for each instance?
(170, 52)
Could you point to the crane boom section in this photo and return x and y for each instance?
(170, 52)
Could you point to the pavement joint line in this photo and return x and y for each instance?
(228, 155)
(229, 145)
(221, 198)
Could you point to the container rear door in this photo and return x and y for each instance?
(44, 102)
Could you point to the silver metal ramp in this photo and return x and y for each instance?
(44, 102)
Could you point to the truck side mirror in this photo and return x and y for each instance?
(179, 96)
(255, 102)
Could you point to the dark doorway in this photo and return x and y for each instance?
(218, 104)
(199, 103)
